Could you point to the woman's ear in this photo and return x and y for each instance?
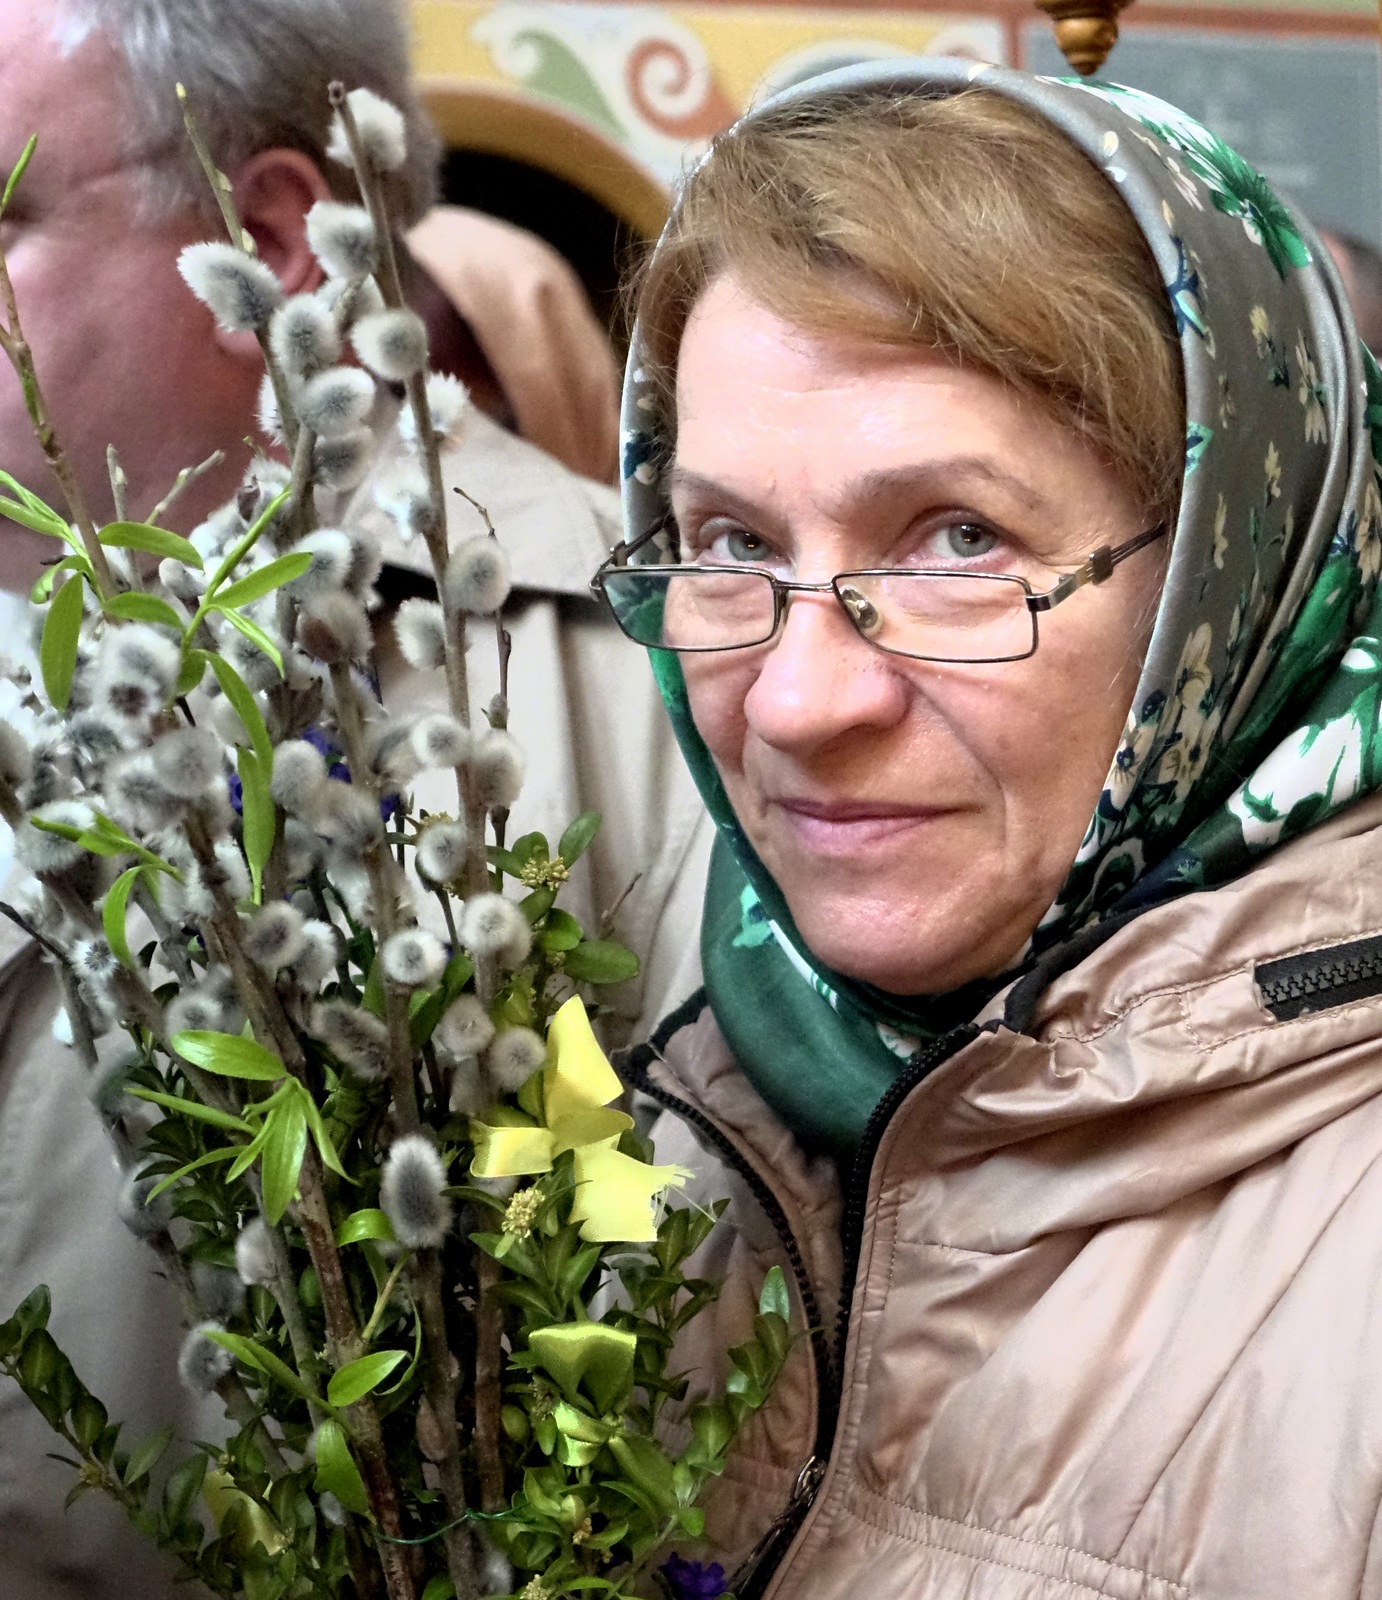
(274, 190)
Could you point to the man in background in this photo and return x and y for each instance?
(127, 356)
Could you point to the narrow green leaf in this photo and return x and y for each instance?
(361, 1225)
(194, 1109)
(320, 1137)
(147, 1454)
(20, 167)
(284, 1148)
(42, 591)
(362, 1377)
(237, 553)
(51, 524)
(156, 541)
(372, 999)
(134, 607)
(576, 840)
(57, 652)
(600, 961)
(256, 636)
(249, 1154)
(113, 915)
(336, 1470)
(256, 814)
(439, 1588)
(193, 670)
(772, 1299)
(208, 1160)
(253, 1354)
(229, 1055)
(255, 585)
(234, 688)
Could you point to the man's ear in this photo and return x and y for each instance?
(274, 190)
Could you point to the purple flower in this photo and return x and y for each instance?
(236, 790)
(692, 1580)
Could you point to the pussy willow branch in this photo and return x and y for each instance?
(21, 358)
(184, 480)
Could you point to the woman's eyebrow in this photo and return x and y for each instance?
(941, 479)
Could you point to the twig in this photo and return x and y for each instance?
(118, 482)
(184, 479)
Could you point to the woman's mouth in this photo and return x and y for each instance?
(849, 827)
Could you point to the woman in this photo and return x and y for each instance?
(1000, 460)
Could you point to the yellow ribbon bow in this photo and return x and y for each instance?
(569, 1101)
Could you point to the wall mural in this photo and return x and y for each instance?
(658, 81)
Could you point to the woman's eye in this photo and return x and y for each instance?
(724, 546)
(966, 540)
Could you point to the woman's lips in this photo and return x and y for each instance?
(844, 828)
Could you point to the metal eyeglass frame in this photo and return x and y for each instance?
(1097, 567)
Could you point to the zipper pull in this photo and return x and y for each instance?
(759, 1565)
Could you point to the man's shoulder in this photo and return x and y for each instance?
(555, 526)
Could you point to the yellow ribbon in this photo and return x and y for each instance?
(615, 1193)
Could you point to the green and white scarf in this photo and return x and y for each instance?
(1259, 710)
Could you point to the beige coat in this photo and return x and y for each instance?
(1116, 1327)
(588, 714)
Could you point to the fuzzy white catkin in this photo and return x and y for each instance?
(357, 1038)
(273, 935)
(412, 958)
(218, 1291)
(334, 629)
(469, 1092)
(391, 343)
(366, 562)
(490, 923)
(513, 1057)
(180, 580)
(249, 660)
(232, 864)
(341, 462)
(448, 400)
(477, 576)
(16, 758)
(188, 760)
(335, 402)
(349, 817)
(331, 554)
(241, 291)
(441, 740)
(316, 961)
(420, 630)
(202, 1363)
(195, 1011)
(304, 337)
(343, 239)
(380, 128)
(267, 413)
(49, 852)
(496, 769)
(299, 776)
(465, 1028)
(389, 749)
(441, 851)
(412, 1195)
(145, 1221)
(403, 496)
(254, 1254)
(138, 651)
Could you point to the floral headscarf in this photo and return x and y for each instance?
(1259, 710)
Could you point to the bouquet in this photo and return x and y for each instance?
(341, 1044)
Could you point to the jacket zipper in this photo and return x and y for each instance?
(757, 1569)
(1296, 984)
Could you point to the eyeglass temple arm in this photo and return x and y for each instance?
(1097, 568)
(619, 553)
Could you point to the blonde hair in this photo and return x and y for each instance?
(991, 237)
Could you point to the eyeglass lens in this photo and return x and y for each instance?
(934, 616)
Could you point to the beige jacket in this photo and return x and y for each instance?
(588, 714)
(1116, 1326)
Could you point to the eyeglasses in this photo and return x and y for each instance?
(927, 615)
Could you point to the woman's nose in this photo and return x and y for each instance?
(820, 680)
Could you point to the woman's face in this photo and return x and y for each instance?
(919, 818)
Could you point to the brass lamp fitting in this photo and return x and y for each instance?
(1086, 30)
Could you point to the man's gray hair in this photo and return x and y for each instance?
(256, 73)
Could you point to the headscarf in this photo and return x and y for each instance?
(1259, 708)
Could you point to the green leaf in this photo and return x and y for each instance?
(113, 915)
(562, 932)
(423, 1022)
(246, 706)
(42, 591)
(183, 1486)
(362, 1377)
(253, 1354)
(229, 1055)
(372, 999)
(257, 817)
(156, 541)
(600, 961)
(224, 1153)
(256, 636)
(320, 1137)
(284, 1147)
(531, 847)
(440, 1588)
(147, 1454)
(193, 1109)
(576, 840)
(143, 608)
(28, 509)
(255, 585)
(193, 670)
(362, 1225)
(772, 1299)
(89, 1421)
(336, 1470)
(57, 652)
(20, 167)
